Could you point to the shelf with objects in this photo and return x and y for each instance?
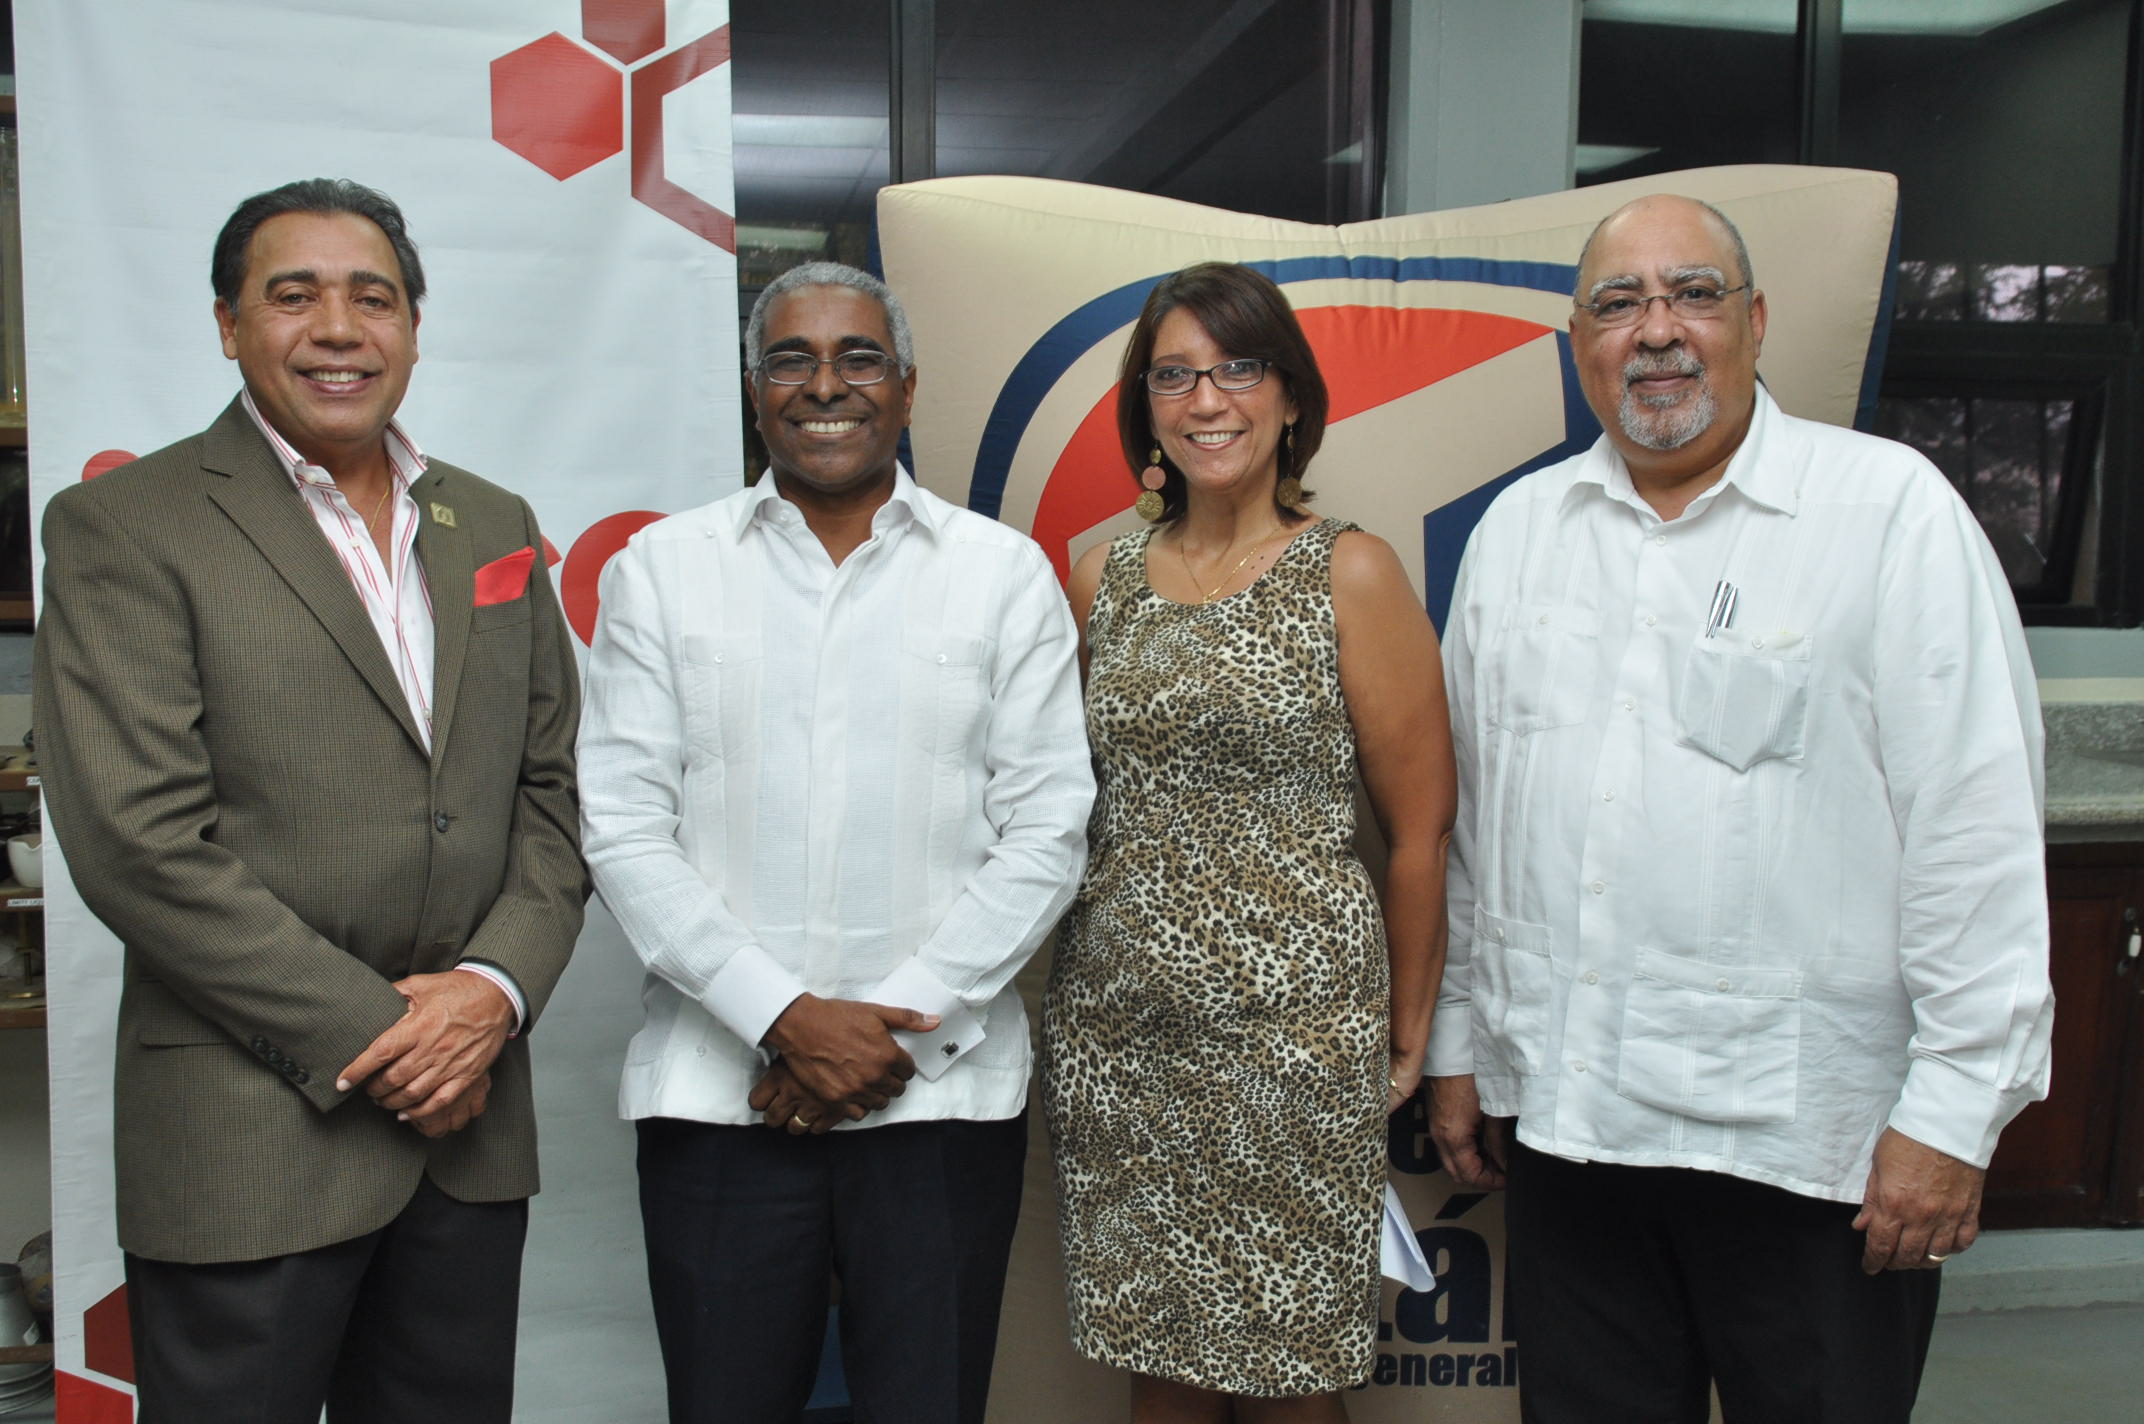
(22, 893)
(26, 1285)
(26, 1296)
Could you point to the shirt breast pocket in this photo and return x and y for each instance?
(942, 698)
(1711, 1041)
(1539, 670)
(719, 676)
(1745, 700)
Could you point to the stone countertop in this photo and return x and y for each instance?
(2095, 770)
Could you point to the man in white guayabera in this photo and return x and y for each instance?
(1749, 920)
(835, 789)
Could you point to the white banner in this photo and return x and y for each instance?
(565, 169)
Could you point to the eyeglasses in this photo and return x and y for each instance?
(1693, 303)
(1228, 376)
(795, 368)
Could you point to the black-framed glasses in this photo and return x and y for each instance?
(1238, 375)
(1695, 301)
(796, 368)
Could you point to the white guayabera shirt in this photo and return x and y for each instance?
(1738, 902)
(866, 782)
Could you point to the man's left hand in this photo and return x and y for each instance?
(438, 1050)
(786, 1104)
(1920, 1207)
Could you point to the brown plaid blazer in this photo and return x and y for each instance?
(241, 794)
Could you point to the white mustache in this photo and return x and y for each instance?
(1667, 363)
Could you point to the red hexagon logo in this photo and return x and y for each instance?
(559, 105)
(626, 30)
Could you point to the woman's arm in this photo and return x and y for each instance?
(1393, 682)
(1085, 582)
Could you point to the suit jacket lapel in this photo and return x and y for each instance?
(450, 574)
(258, 496)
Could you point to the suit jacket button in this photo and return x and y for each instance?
(301, 1077)
(259, 1045)
(439, 823)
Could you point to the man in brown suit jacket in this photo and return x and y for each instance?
(306, 707)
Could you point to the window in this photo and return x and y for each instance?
(1733, 99)
(1262, 106)
(1254, 107)
(2016, 129)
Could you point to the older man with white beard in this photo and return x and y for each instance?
(1749, 923)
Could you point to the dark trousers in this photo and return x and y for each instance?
(410, 1324)
(745, 1224)
(1632, 1289)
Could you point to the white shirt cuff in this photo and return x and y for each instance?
(911, 986)
(1942, 1108)
(507, 986)
(749, 992)
(1451, 1042)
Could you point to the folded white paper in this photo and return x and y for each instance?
(1399, 1255)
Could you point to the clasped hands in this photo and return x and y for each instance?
(838, 1063)
(432, 1069)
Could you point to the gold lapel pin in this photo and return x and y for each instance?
(441, 514)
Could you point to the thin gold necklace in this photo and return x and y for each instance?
(373, 520)
(1228, 577)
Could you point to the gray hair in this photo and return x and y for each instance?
(831, 274)
(1734, 239)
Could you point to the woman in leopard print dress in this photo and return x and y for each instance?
(1230, 1015)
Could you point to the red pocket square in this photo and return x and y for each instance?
(504, 580)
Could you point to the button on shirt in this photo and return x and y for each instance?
(1739, 902)
(865, 782)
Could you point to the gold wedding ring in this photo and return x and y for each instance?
(800, 1120)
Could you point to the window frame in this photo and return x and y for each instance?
(2097, 363)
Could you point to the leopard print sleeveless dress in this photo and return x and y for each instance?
(1214, 1031)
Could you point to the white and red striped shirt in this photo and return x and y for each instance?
(396, 598)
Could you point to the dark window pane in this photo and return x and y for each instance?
(1220, 102)
(2000, 181)
(810, 133)
(2076, 293)
(1669, 84)
(1930, 291)
(2016, 461)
